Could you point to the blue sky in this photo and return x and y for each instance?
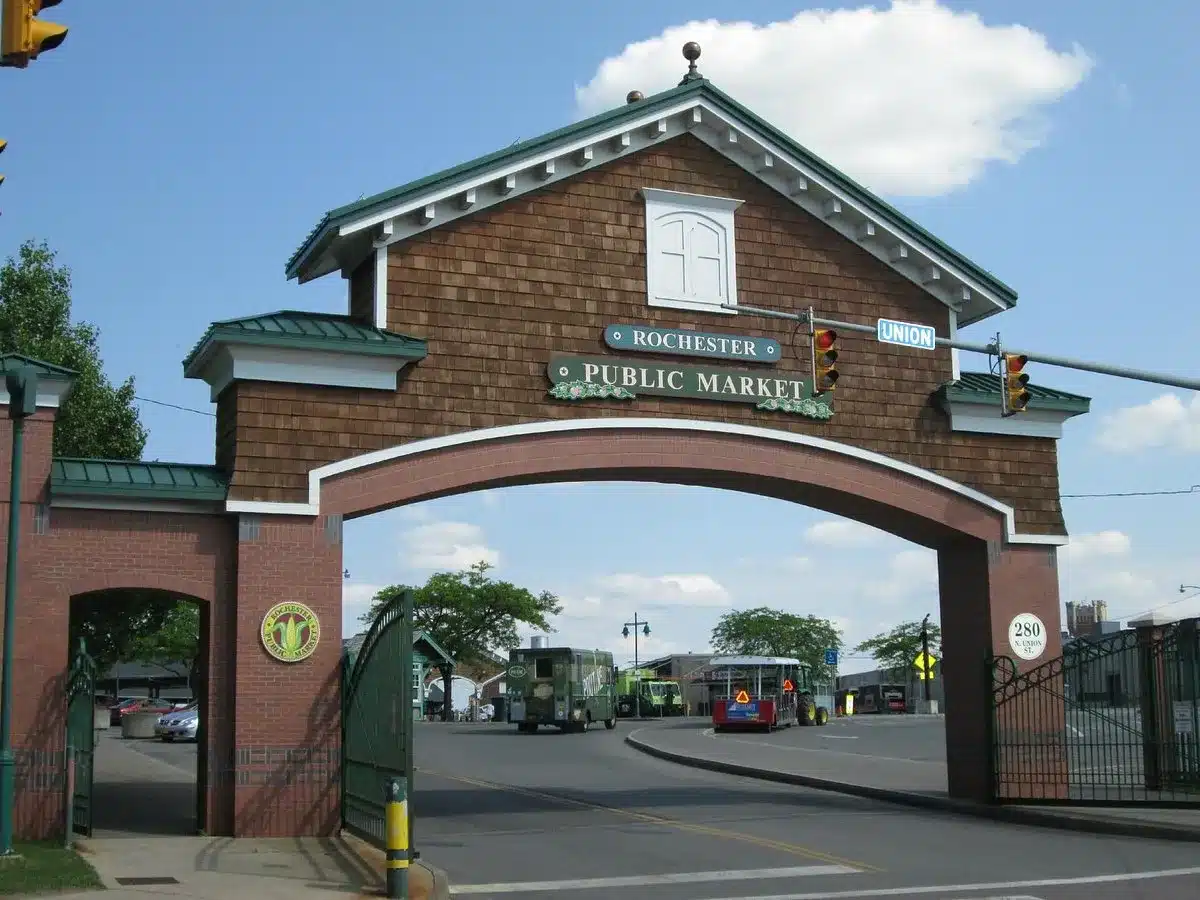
(176, 156)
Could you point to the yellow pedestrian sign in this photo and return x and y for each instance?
(924, 664)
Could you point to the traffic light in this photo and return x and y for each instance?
(825, 376)
(1016, 396)
(25, 35)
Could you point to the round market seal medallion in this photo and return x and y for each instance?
(290, 632)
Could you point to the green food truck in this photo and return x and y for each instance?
(562, 686)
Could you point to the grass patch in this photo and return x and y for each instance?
(46, 867)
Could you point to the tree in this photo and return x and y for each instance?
(112, 621)
(175, 644)
(772, 632)
(97, 419)
(470, 614)
(896, 650)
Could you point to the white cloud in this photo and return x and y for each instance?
(446, 546)
(1104, 567)
(667, 590)
(1083, 547)
(916, 99)
(1165, 422)
(356, 600)
(842, 533)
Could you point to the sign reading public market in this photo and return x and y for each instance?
(608, 377)
(678, 342)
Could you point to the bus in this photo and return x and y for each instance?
(763, 692)
(567, 687)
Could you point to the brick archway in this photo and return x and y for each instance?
(988, 572)
(841, 479)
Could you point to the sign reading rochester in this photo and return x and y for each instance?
(604, 377)
(290, 632)
(678, 342)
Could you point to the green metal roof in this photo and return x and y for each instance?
(326, 230)
(425, 637)
(306, 331)
(981, 387)
(10, 362)
(123, 479)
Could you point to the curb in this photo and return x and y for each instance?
(1010, 814)
(425, 882)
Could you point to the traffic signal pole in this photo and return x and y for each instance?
(991, 348)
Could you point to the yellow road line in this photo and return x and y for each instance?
(709, 830)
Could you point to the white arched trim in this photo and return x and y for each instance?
(576, 426)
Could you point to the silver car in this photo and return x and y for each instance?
(179, 725)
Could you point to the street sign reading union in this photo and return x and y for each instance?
(678, 342)
(608, 377)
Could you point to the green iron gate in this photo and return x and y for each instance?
(81, 740)
(377, 720)
(1113, 721)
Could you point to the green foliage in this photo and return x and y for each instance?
(97, 420)
(175, 644)
(772, 632)
(896, 650)
(469, 613)
(111, 622)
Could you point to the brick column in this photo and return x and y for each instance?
(287, 745)
(983, 586)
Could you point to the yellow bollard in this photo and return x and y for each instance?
(396, 837)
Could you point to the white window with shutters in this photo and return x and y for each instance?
(690, 251)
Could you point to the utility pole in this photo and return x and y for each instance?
(991, 349)
(637, 677)
(22, 403)
(928, 669)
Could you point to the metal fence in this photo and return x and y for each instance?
(1112, 721)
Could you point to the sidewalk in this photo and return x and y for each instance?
(260, 868)
(154, 796)
(913, 782)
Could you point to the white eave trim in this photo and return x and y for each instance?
(231, 362)
(907, 253)
(985, 418)
(508, 432)
(114, 504)
(50, 393)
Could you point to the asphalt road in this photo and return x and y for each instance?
(535, 816)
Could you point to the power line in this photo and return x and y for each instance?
(199, 412)
(1153, 609)
(1193, 489)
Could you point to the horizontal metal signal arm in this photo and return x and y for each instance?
(990, 349)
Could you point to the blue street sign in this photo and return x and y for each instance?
(831, 657)
(906, 334)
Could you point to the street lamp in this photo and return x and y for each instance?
(637, 677)
(22, 403)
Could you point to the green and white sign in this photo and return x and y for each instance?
(606, 377)
(678, 342)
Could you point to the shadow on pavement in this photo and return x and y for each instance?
(435, 803)
(134, 793)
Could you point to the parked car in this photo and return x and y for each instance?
(137, 704)
(179, 725)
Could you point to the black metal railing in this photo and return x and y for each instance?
(1111, 721)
